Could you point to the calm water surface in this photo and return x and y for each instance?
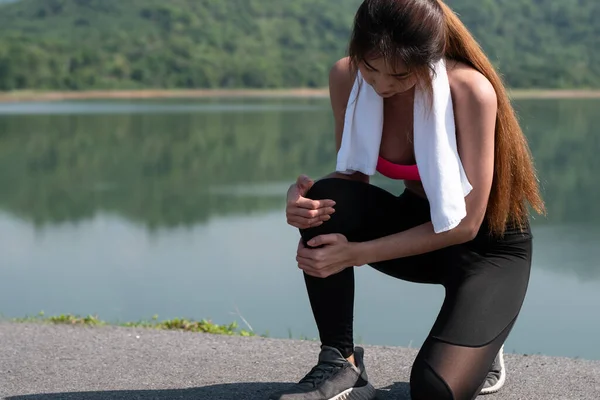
(176, 208)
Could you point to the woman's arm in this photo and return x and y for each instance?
(341, 80)
(475, 114)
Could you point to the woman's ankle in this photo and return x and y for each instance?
(352, 360)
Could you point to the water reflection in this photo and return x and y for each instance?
(167, 169)
(154, 169)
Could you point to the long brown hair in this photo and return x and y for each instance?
(421, 32)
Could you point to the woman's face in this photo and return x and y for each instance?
(385, 79)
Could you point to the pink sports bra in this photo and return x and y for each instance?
(397, 171)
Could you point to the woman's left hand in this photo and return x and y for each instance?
(336, 255)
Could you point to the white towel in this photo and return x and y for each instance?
(442, 174)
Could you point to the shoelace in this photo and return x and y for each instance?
(319, 373)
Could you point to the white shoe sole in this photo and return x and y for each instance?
(366, 392)
(500, 383)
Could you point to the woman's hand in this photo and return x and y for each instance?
(305, 213)
(334, 255)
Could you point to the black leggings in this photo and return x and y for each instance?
(485, 280)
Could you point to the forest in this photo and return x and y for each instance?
(137, 44)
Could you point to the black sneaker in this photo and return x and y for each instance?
(333, 378)
(496, 376)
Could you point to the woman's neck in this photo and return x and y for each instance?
(406, 98)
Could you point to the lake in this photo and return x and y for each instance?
(175, 208)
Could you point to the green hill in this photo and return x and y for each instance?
(117, 44)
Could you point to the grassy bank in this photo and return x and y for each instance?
(180, 324)
(202, 326)
(24, 96)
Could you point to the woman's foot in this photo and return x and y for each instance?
(333, 378)
(496, 376)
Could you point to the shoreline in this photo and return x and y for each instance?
(187, 325)
(322, 93)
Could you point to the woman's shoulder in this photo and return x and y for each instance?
(470, 87)
(341, 73)
(341, 81)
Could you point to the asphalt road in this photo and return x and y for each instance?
(50, 362)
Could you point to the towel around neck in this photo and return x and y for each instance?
(442, 174)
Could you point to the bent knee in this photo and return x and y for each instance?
(347, 195)
(426, 384)
(330, 189)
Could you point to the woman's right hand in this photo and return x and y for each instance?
(302, 212)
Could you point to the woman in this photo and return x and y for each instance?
(346, 222)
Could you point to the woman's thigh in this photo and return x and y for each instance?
(485, 291)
